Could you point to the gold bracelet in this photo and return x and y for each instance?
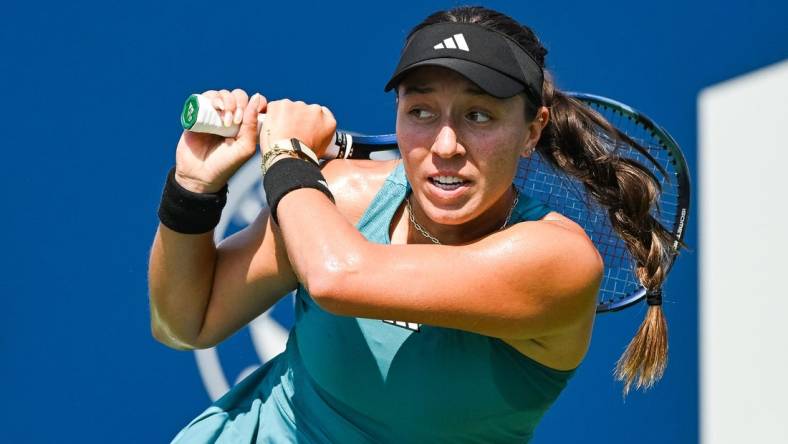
(271, 155)
(297, 147)
(292, 147)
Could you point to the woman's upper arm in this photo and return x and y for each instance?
(532, 280)
(252, 273)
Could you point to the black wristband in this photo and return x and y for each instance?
(187, 212)
(290, 174)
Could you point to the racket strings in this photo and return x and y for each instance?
(538, 178)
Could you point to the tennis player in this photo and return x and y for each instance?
(435, 303)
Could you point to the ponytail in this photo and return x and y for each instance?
(582, 143)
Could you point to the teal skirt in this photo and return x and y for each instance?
(251, 412)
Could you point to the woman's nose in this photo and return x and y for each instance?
(446, 144)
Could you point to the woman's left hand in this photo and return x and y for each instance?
(313, 125)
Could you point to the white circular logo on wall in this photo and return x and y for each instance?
(268, 332)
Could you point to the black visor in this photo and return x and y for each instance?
(491, 60)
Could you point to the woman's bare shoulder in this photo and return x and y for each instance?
(355, 182)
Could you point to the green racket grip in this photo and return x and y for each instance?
(200, 116)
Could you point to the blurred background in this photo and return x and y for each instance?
(93, 94)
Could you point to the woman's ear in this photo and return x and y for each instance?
(535, 130)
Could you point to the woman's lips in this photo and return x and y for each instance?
(447, 186)
(447, 182)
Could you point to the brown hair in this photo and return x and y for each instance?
(577, 140)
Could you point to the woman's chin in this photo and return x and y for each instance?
(449, 216)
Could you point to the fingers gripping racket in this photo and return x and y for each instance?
(199, 116)
(658, 152)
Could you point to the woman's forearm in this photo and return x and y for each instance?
(180, 278)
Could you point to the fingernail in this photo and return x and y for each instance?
(228, 118)
(239, 116)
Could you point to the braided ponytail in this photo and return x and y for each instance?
(581, 143)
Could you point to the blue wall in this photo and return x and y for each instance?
(89, 128)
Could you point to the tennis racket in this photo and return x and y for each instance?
(658, 152)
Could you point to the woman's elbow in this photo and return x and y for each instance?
(325, 288)
(163, 336)
(329, 281)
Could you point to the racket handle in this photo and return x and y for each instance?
(200, 116)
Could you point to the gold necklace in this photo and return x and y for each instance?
(434, 239)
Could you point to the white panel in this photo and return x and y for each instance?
(743, 164)
(461, 43)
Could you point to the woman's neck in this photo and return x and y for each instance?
(492, 220)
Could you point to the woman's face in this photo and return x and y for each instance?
(460, 146)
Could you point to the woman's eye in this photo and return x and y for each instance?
(479, 117)
(422, 114)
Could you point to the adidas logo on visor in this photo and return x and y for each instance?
(457, 41)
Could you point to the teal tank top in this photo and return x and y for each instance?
(354, 380)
